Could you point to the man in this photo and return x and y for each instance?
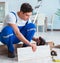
(23, 30)
(17, 27)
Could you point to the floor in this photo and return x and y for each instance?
(48, 36)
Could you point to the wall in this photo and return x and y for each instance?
(15, 5)
(48, 7)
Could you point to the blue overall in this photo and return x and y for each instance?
(8, 37)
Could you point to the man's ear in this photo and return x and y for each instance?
(21, 12)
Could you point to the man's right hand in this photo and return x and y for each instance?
(34, 47)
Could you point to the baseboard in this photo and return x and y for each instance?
(53, 29)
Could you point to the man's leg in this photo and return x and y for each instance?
(28, 31)
(7, 37)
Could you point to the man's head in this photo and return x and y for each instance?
(26, 7)
(25, 11)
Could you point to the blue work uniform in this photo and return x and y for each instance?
(8, 37)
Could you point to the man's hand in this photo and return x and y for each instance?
(34, 47)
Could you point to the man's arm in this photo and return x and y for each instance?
(21, 37)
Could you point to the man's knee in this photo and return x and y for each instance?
(31, 26)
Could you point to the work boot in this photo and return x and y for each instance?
(25, 45)
(11, 55)
(41, 41)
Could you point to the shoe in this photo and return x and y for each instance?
(11, 55)
(41, 41)
(24, 45)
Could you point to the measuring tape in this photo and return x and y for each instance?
(56, 60)
(53, 53)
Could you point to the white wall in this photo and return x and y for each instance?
(48, 7)
(15, 5)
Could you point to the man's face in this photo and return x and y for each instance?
(25, 16)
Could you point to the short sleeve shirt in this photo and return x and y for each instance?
(11, 18)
